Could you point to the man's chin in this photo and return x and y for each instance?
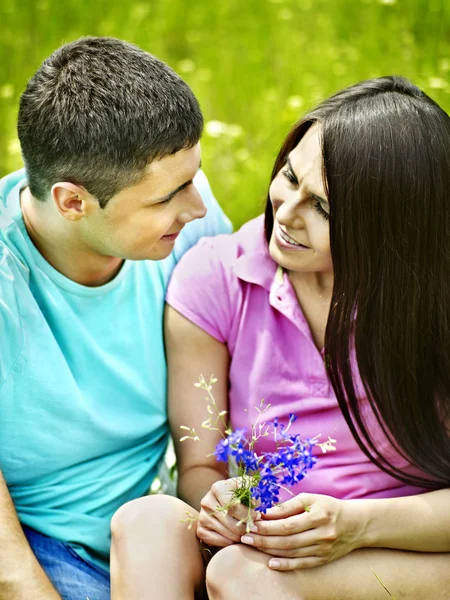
(153, 254)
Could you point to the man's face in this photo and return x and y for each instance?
(142, 221)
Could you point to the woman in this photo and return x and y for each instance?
(334, 307)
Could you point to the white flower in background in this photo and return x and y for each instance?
(234, 131)
(217, 129)
(295, 102)
(437, 83)
(7, 91)
(14, 146)
(186, 65)
(285, 14)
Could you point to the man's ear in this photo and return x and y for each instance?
(71, 200)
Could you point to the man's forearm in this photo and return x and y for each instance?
(416, 523)
(21, 576)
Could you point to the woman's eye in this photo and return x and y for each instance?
(320, 210)
(290, 176)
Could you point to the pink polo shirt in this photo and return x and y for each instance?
(230, 287)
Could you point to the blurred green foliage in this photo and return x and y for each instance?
(255, 65)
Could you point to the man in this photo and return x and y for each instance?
(89, 234)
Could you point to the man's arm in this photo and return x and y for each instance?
(21, 576)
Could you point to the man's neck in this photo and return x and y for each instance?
(54, 239)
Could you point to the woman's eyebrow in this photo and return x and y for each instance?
(291, 168)
(315, 196)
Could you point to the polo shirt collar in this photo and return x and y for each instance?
(255, 265)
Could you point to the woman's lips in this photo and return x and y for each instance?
(285, 241)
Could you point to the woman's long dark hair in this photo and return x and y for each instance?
(386, 152)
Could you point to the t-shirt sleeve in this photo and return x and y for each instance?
(214, 223)
(203, 287)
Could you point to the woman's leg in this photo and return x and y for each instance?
(153, 554)
(242, 572)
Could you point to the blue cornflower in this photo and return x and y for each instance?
(286, 466)
(237, 436)
(222, 451)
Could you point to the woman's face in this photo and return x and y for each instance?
(300, 240)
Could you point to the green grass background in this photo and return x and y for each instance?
(255, 65)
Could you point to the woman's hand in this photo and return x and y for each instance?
(307, 531)
(218, 527)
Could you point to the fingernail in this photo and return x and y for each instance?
(247, 539)
(253, 529)
(274, 564)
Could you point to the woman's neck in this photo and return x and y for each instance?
(314, 292)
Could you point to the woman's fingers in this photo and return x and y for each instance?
(222, 524)
(287, 542)
(212, 538)
(223, 492)
(307, 552)
(213, 516)
(294, 506)
(292, 564)
(220, 501)
(288, 526)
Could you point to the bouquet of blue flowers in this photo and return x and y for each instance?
(261, 476)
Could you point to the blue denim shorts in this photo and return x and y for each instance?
(72, 576)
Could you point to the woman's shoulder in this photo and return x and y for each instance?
(204, 286)
(207, 275)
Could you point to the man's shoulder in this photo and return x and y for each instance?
(8, 182)
(10, 186)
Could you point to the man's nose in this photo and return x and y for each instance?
(194, 208)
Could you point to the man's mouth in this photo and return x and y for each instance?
(171, 237)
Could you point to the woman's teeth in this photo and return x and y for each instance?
(287, 238)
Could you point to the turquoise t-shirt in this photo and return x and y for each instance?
(83, 422)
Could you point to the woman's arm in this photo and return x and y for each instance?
(419, 523)
(201, 479)
(312, 529)
(190, 353)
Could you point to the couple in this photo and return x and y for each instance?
(333, 306)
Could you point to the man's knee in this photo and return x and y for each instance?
(145, 514)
